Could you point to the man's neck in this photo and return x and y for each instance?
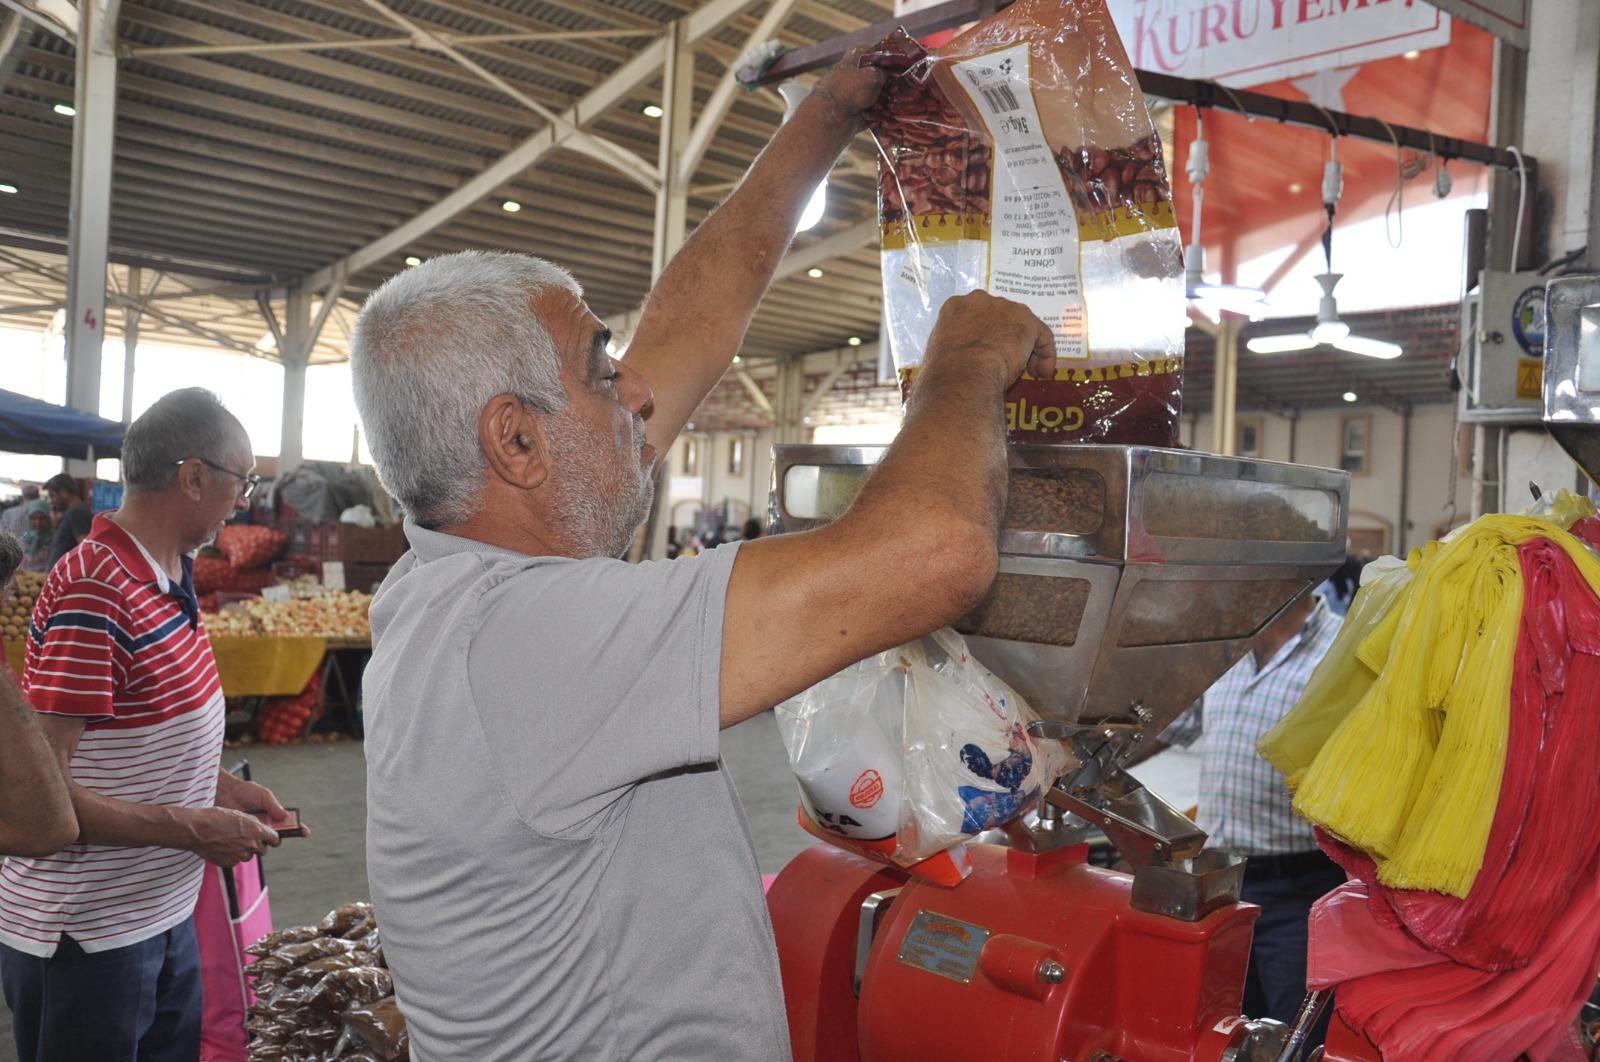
(514, 528)
(1273, 640)
(145, 522)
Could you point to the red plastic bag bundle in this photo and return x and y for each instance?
(1516, 957)
(1020, 159)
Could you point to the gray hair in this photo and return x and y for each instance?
(430, 348)
(191, 422)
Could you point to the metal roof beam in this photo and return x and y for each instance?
(840, 243)
(577, 139)
(628, 78)
(716, 108)
(359, 43)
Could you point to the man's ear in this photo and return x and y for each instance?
(189, 474)
(509, 435)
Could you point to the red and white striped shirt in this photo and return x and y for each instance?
(115, 642)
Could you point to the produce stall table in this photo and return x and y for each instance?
(342, 669)
(267, 667)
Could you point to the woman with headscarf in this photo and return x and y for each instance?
(36, 540)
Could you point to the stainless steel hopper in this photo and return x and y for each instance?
(1572, 368)
(1130, 577)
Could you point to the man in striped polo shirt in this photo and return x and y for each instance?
(97, 945)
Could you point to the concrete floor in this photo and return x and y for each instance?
(327, 782)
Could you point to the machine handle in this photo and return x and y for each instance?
(873, 908)
(1310, 1010)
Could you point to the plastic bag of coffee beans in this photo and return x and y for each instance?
(1020, 159)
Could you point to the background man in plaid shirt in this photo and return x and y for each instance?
(1245, 805)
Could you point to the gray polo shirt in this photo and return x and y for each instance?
(560, 864)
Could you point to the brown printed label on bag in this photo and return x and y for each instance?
(1126, 403)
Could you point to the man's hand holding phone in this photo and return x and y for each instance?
(288, 824)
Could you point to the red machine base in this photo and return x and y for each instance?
(1031, 957)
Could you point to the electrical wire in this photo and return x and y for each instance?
(1397, 200)
(1234, 96)
(1565, 260)
(1522, 204)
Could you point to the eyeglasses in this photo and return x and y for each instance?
(251, 482)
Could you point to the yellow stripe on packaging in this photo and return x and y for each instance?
(1124, 221)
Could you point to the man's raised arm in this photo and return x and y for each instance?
(695, 317)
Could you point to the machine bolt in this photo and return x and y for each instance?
(1052, 972)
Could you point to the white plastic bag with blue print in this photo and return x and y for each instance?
(969, 762)
(906, 754)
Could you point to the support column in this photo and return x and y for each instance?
(1225, 386)
(295, 353)
(677, 104)
(89, 220)
(672, 204)
(130, 339)
(790, 403)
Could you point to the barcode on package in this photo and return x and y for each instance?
(1000, 98)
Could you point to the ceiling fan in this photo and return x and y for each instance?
(1237, 298)
(1329, 329)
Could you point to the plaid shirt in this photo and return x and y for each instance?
(1244, 804)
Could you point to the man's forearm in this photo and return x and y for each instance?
(754, 225)
(951, 448)
(700, 307)
(35, 810)
(106, 820)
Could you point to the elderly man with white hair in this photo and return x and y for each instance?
(560, 864)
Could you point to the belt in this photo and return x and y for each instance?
(1291, 865)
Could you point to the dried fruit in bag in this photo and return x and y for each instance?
(275, 940)
(381, 1028)
(355, 985)
(1020, 159)
(339, 921)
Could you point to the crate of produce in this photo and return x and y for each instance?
(364, 575)
(355, 544)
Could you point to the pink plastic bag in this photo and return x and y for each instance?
(233, 911)
(1348, 942)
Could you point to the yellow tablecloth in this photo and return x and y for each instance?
(249, 667)
(266, 667)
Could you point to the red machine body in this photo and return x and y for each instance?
(1034, 956)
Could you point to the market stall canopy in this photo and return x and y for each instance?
(29, 426)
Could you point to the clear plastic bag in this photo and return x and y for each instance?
(1020, 159)
(909, 753)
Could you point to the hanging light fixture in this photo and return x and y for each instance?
(1238, 298)
(1329, 329)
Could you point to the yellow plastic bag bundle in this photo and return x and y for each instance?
(1341, 679)
(1399, 745)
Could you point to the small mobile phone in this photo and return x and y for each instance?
(291, 828)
